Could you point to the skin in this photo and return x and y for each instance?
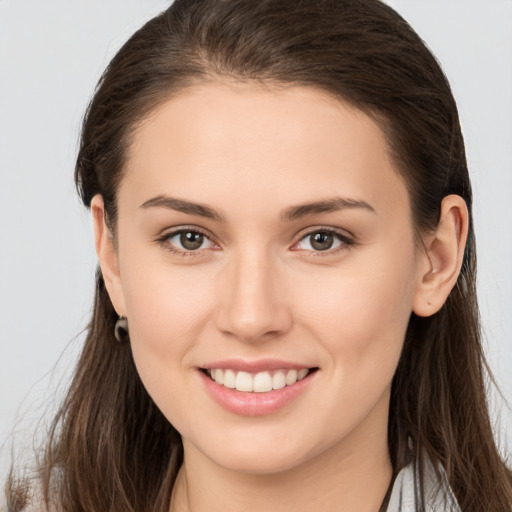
(258, 289)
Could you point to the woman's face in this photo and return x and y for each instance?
(264, 234)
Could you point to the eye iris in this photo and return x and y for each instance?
(322, 241)
(191, 240)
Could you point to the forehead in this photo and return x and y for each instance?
(227, 140)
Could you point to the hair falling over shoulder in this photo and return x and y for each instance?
(109, 447)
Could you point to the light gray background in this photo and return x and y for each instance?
(51, 55)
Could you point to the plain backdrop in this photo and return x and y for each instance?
(51, 55)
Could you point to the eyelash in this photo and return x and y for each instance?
(164, 241)
(346, 242)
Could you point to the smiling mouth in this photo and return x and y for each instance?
(261, 382)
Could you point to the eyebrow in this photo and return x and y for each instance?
(290, 214)
(183, 206)
(324, 206)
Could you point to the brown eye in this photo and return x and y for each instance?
(187, 240)
(321, 241)
(191, 240)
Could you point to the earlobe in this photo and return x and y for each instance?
(442, 258)
(107, 255)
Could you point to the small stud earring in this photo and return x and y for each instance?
(121, 329)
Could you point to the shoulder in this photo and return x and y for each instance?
(436, 490)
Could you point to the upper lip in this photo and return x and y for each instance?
(260, 365)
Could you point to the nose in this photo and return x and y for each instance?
(254, 305)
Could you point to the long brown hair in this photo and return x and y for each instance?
(110, 448)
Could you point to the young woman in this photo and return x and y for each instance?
(285, 314)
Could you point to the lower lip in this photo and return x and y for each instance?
(255, 404)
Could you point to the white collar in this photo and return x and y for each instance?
(438, 494)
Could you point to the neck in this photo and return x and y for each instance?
(353, 475)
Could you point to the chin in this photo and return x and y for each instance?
(260, 464)
(259, 455)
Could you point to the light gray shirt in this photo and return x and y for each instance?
(438, 495)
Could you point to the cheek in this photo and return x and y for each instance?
(166, 302)
(161, 319)
(360, 314)
(358, 318)
(166, 309)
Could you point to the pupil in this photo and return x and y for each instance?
(322, 241)
(191, 241)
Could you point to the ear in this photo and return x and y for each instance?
(442, 258)
(107, 255)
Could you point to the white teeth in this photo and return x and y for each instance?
(229, 379)
(302, 373)
(243, 381)
(278, 380)
(218, 376)
(261, 382)
(291, 377)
